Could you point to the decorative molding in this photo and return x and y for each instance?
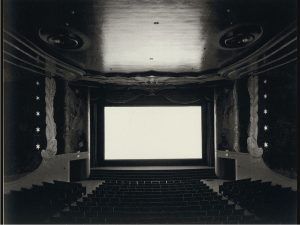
(51, 149)
(152, 81)
(252, 146)
(36, 60)
(236, 137)
(278, 51)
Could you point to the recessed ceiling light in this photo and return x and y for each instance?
(64, 38)
(240, 36)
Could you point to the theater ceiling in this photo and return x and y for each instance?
(142, 42)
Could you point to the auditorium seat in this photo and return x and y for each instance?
(152, 197)
(270, 203)
(38, 203)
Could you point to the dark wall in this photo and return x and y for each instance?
(71, 116)
(59, 112)
(277, 125)
(76, 118)
(244, 112)
(21, 154)
(224, 115)
(21, 120)
(280, 86)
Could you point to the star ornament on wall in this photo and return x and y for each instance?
(37, 146)
(37, 113)
(37, 98)
(265, 111)
(37, 129)
(37, 83)
(265, 96)
(266, 144)
(265, 127)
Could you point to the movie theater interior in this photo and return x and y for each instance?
(149, 112)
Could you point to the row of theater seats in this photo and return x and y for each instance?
(156, 202)
(153, 175)
(40, 202)
(271, 203)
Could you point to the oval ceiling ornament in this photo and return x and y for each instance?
(240, 36)
(64, 38)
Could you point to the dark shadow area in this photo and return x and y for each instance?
(278, 119)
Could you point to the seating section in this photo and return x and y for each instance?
(40, 202)
(153, 175)
(270, 203)
(153, 199)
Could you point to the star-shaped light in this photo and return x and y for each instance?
(265, 111)
(37, 83)
(37, 129)
(265, 81)
(266, 144)
(37, 113)
(37, 146)
(37, 98)
(265, 96)
(265, 127)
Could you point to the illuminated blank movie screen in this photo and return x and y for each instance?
(153, 133)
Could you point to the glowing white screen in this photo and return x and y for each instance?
(153, 133)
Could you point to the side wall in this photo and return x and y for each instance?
(27, 123)
(276, 105)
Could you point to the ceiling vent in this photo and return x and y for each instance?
(240, 36)
(64, 38)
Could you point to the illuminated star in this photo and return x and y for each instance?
(37, 98)
(265, 111)
(265, 95)
(266, 144)
(265, 127)
(37, 146)
(265, 81)
(37, 129)
(37, 113)
(37, 83)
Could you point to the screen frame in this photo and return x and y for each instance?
(97, 138)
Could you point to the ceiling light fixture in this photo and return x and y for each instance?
(240, 36)
(64, 38)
